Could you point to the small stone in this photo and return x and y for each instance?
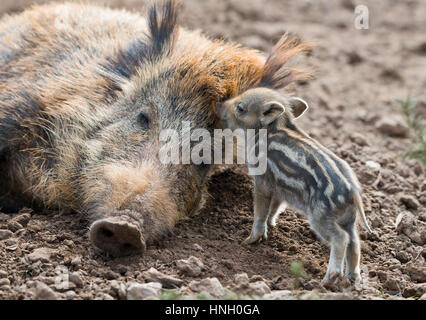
(373, 164)
(11, 242)
(4, 282)
(192, 266)
(41, 254)
(382, 275)
(311, 285)
(409, 201)
(43, 292)
(5, 234)
(22, 219)
(70, 295)
(423, 297)
(258, 288)
(167, 281)
(393, 126)
(198, 247)
(416, 273)
(210, 286)
(418, 168)
(241, 279)
(110, 275)
(403, 256)
(359, 139)
(392, 285)
(3, 274)
(414, 290)
(75, 278)
(14, 225)
(339, 296)
(278, 295)
(76, 261)
(106, 296)
(137, 291)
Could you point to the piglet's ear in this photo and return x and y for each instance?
(271, 111)
(299, 106)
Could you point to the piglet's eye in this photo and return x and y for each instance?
(143, 121)
(241, 108)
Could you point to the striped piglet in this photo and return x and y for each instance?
(300, 173)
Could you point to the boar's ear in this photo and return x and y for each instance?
(270, 111)
(299, 107)
(161, 40)
(164, 30)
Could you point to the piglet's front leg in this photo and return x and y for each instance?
(261, 212)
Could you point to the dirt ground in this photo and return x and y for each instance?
(359, 75)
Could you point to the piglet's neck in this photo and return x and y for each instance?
(285, 125)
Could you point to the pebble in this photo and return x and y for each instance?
(191, 267)
(76, 278)
(393, 126)
(409, 201)
(22, 219)
(41, 254)
(211, 286)
(141, 291)
(106, 296)
(70, 295)
(241, 279)
(5, 234)
(167, 281)
(392, 285)
(416, 273)
(278, 295)
(258, 288)
(197, 247)
(359, 139)
(76, 261)
(43, 292)
(403, 256)
(373, 164)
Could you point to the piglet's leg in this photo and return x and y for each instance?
(261, 212)
(338, 240)
(275, 209)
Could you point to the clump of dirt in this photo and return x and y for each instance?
(360, 73)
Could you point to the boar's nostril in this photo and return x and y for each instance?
(107, 233)
(117, 236)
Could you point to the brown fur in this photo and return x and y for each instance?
(72, 78)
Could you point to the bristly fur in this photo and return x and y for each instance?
(73, 80)
(275, 74)
(164, 32)
(160, 41)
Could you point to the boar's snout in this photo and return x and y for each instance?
(117, 236)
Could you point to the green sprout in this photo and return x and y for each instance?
(414, 121)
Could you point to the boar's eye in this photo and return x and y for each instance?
(143, 121)
(241, 108)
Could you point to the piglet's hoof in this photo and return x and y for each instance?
(252, 239)
(117, 236)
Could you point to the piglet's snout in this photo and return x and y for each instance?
(117, 236)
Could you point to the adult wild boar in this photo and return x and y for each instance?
(84, 94)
